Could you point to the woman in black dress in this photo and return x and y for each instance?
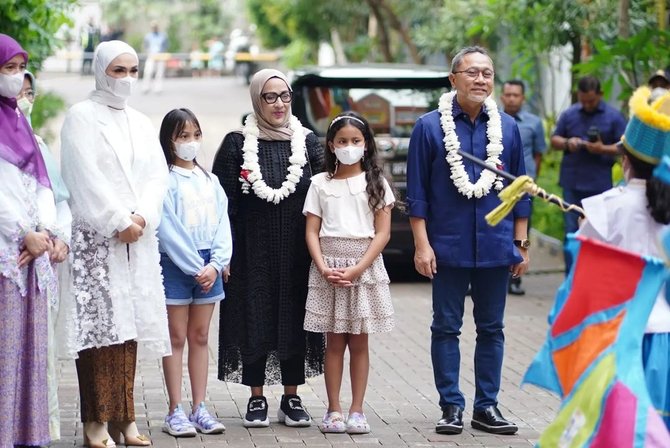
(265, 169)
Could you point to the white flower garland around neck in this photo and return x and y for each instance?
(494, 149)
(251, 175)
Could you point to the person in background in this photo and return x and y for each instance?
(265, 169)
(348, 210)
(533, 141)
(587, 132)
(215, 52)
(28, 283)
(659, 83)
(155, 42)
(196, 60)
(25, 100)
(114, 168)
(196, 246)
(448, 197)
(90, 38)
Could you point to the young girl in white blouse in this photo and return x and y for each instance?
(348, 210)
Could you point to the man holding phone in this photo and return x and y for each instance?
(587, 133)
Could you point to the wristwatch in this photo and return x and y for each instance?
(524, 244)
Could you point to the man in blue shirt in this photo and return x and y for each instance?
(532, 139)
(448, 198)
(587, 133)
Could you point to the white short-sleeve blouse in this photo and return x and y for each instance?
(342, 205)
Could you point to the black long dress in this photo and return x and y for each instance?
(264, 308)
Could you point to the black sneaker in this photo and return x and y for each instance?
(491, 420)
(292, 413)
(451, 421)
(257, 413)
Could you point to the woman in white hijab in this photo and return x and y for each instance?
(113, 165)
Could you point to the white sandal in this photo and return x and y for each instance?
(333, 422)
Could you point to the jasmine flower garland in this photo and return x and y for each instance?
(494, 149)
(251, 175)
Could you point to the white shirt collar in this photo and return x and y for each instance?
(183, 171)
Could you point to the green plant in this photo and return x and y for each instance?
(297, 53)
(34, 24)
(47, 106)
(548, 218)
(632, 59)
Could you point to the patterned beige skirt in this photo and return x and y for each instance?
(365, 307)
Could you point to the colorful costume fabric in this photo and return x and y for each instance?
(593, 351)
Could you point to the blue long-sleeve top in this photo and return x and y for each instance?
(457, 230)
(195, 217)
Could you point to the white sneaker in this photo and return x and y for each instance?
(178, 425)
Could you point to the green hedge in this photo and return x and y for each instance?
(548, 218)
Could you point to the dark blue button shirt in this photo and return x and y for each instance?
(532, 139)
(582, 170)
(457, 230)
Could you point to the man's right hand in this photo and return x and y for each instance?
(131, 234)
(575, 143)
(424, 261)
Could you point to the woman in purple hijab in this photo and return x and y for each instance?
(27, 280)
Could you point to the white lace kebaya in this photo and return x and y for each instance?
(251, 175)
(494, 149)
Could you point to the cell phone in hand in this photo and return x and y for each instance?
(593, 134)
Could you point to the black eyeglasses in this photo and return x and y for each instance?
(271, 97)
(473, 73)
(30, 94)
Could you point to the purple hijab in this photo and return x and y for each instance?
(17, 142)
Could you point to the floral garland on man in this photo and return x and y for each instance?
(455, 247)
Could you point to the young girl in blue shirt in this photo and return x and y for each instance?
(348, 210)
(196, 246)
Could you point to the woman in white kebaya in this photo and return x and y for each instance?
(114, 167)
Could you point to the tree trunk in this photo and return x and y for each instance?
(397, 25)
(340, 57)
(661, 12)
(576, 41)
(384, 42)
(624, 19)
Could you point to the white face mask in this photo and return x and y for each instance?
(349, 154)
(11, 85)
(26, 107)
(187, 151)
(656, 93)
(121, 87)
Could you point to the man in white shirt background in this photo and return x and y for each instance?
(155, 43)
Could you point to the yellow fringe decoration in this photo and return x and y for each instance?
(513, 193)
(649, 114)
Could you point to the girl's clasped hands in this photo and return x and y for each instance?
(341, 276)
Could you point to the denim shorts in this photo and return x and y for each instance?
(183, 289)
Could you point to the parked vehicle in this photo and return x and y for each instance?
(391, 97)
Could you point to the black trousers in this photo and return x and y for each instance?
(292, 372)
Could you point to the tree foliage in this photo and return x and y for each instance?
(34, 24)
(301, 25)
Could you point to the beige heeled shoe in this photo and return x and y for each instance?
(96, 436)
(131, 435)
